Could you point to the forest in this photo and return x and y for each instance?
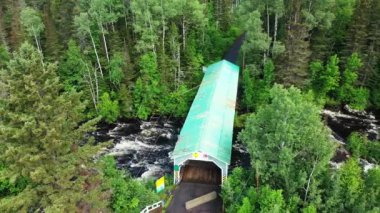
(68, 65)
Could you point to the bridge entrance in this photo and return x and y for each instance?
(201, 172)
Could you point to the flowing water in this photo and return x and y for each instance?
(144, 147)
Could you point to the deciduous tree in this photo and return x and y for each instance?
(288, 144)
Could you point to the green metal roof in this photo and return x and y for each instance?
(209, 123)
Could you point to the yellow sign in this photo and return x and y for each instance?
(160, 184)
(195, 154)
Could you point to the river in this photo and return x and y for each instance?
(144, 147)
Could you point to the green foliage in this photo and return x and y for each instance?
(288, 144)
(128, 195)
(246, 207)
(256, 86)
(256, 42)
(40, 134)
(361, 147)
(309, 209)
(234, 189)
(4, 57)
(325, 79)
(357, 97)
(372, 189)
(351, 183)
(116, 70)
(31, 20)
(239, 196)
(147, 92)
(72, 68)
(8, 188)
(45, 167)
(357, 145)
(108, 109)
(248, 89)
(177, 103)
(271, 200)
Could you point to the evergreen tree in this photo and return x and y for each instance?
(116, 70)
(351, 184)
(4, 57)
(302, 17)
(72, 68)
(325, 79)
(42, 140)
(108, 109)
(147, 92)
(349, 92)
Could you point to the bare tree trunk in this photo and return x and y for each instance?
(152, 31)
(268, 29)
(163, 28)
(275, 28)
(39, 49)
(92, 89)
(179, 67)
(183, 33)
(308, 181)
(105, 42)
(37, 44)
(96, 53)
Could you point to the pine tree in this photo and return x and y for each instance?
(42, 140)
(147, 92)
(302, 18)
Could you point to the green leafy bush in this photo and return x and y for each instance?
(128, 194)
(108, 109)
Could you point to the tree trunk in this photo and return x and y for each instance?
(105, 42)
(179, 67)
(152, 31)
(309, 180)
(39, 49)
(96, 53)
(275, 27)
(268, 28)
(163, 28)
(183, 33)
(92, 89)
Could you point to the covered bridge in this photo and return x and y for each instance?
(203, 150)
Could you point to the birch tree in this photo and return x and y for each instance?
(146, 24)
(32, 22)
(83, 24)
(103, 13)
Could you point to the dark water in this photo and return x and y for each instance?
(144, 147)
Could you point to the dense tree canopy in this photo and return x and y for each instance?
(283, 154)
(40, 135)
(106, 60)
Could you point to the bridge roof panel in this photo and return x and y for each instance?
(209, 123)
